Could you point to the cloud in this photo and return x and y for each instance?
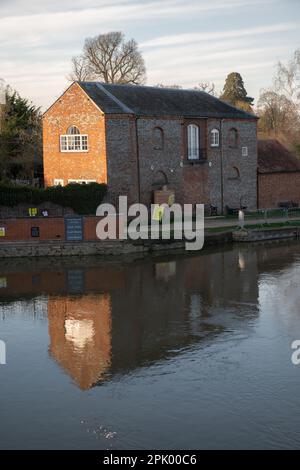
(188, 38)
(38, 38)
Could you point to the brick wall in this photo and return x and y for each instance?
(122, 164)
(50, 228)
(197, 182)
(74, 108)
(278, 187)
(135, 165)
(20, 229)
(239, 173)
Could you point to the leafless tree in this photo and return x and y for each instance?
(110, 59)
(287, 79)
(278, 116)
(208, 87)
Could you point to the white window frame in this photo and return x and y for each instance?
(81, 181)
(245, 152)
(193, 150)
(58, 182)
(69, 142)
(215, 138)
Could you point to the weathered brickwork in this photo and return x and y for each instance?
(137, 155)
(122, 164)
(228, 168)
(74, 108)
(274, 188)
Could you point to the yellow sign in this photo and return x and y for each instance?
(171, 199)
(158, 212)
(3, 282)
(32, 211)
(2, 231)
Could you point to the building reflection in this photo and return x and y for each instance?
(148, 312)
(80, 336)
(110, 319)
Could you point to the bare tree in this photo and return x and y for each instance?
(208, 87)
(278, 116)
(81, 69)
(287, 79)
(110, 59)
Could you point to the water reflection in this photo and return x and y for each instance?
(136, 336)
(80, 336)
(106, 320)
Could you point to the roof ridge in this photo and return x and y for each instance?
(125, 108)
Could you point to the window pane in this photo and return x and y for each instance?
(215, 138)
(63, 143)
(193, 142)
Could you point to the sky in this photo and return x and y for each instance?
(183, 42)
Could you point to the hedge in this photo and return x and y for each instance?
(83, 199)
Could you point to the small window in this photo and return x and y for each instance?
(35, 232)
(158, 138)
(73, 141)
(244, 151)
(215, 138)
(193, 142)
(81, 181)
(58, 182)
(233, 138)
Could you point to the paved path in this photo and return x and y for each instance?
(223, 222)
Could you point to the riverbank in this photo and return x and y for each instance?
(213, 237)
(101, 248)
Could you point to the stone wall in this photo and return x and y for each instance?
(239, 178)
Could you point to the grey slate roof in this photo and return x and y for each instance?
(154, 101)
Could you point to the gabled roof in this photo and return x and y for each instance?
(273, 157)
(155, 101)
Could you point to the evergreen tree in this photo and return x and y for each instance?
(20, 138)
(234, 92)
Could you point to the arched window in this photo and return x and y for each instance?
(73, 130)
(193, 142)
(234, 173)
(73, 141)
(215, 138)
(160, 179)
(233, 138)
(158, 138)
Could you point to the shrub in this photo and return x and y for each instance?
(83, 199)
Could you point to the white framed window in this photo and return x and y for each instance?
(81, 181)
(215, 138)
(58, 182)
(193, 142)
(73, 141)
(244, 151)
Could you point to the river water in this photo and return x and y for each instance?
(174, 352)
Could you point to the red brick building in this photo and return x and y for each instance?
(278, 175)
(138, 139)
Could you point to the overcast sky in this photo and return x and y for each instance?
(182, 41)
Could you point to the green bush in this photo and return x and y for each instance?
(83, 199)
